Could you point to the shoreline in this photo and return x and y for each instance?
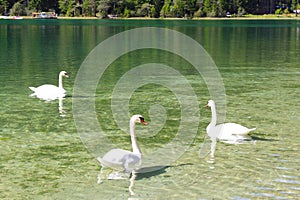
(246, 17)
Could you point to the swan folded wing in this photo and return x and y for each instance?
(132, 161)
(120, 159)
(236, 129)
(232, 131)
(49, 89)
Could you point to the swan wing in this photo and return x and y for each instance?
(236, 129)
(47, 88)
(230, 131)
(120, 159)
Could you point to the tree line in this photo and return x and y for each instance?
(148, 8)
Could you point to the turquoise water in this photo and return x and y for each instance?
(43, 156)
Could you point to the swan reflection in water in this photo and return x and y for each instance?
(137, 174)
(61, 110)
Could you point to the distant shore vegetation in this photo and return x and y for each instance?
(151, 8)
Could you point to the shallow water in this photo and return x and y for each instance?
(43, 156)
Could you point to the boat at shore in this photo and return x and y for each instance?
(44, 15)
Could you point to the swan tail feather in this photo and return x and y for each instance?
(252, 129)
(32, 88)
(99, 159)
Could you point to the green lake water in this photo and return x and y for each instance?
(48, 149)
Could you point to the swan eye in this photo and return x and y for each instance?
(142, 121)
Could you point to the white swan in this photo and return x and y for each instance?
(50, 92)
(226, 131)
(123, 160)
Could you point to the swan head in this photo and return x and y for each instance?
(138, 119)
(64, 73)
(210, 103)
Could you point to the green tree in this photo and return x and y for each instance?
(104, 7)
(295, 6)
(89, 8)
(207, 8)
(18, 9)
(153, 8)
(178, 8)
(165, 10)
(4, 7)
(250, 6)
(65, 6)
(156, 8)
(189, 8)
(220, 8)
(43, 5)
(71, 9)
(127, 13)
(145, 10)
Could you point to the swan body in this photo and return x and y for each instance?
(50, 92)
(227, 131)
(123, 160)
(120, 160)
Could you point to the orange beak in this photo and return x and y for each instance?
(143, 122)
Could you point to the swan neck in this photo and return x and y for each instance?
(135, 146)
(60, 84)
(213, 121)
